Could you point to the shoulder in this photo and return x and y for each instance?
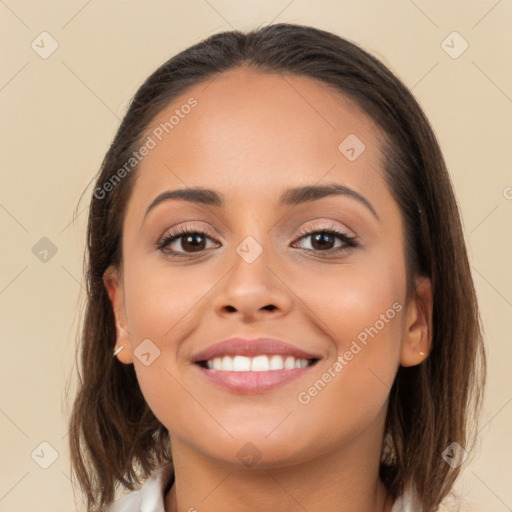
(408, 501)
(149, 498)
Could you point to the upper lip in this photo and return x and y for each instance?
(252, 347)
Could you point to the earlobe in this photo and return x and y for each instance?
(113, 285)
(417, 337)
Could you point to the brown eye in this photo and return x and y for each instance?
(182, 242)
(325, 241)
(193, 242)
(322, 240)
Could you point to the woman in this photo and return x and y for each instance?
(276, 262)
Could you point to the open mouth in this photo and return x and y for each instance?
(258, 363)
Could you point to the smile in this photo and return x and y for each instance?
(252, 375)
(259, 363)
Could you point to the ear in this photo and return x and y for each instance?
(113, 283)
(417, 340)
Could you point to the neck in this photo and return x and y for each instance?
(344, 480)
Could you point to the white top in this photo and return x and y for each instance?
(150, 497)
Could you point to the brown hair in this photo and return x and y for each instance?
(114, 436)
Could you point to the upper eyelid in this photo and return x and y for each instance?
(178, 232)
(328, 225)
(349, 243)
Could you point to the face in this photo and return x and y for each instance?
(324, 273)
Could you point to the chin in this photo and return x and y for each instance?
(256, 449)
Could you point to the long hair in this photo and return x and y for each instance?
(115, 439)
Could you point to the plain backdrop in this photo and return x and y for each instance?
(59, 113)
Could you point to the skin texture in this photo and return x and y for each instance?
(250, 137)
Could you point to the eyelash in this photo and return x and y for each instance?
(348, 241)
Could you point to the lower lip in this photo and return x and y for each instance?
(253, 382)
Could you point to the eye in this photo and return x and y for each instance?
(189, 240)
(324, 240)
(182, 242)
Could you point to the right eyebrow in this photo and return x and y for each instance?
(194, 195)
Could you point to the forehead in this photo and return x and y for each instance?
(250, 133)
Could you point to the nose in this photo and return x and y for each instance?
(253, 290)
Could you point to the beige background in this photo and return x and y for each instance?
(59, 115)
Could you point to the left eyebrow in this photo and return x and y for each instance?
(291, 197)
(300, 195)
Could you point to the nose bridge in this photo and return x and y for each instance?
(255, 236)
(251, 273)
(251, 285)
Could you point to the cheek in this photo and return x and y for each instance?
(164, 306)
(351, 391)
(349, 299)
(361, 310)
(161, 301)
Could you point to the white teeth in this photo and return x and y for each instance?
(240, 364)
(276, 363)
(289, 363)
(227, 363)
(260, 363)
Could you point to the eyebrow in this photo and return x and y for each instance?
(290, 197)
